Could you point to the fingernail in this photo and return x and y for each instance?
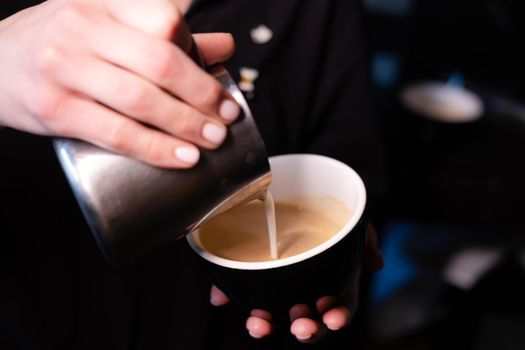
(300, 337)
(214, 133)
(332, 328)
(256, 336)
(229, 110)
(189, 155)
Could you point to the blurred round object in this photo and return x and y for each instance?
(442, 102)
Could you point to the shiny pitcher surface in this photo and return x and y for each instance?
(134, 209)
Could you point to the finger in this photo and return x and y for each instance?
(372, 238)
(303, 327)
(262, 314)
(324, 303)
(217, 297)
(135, 97)
(306, 330)
(101, 126)
(299, 311)
(258, 327)
(337, 318)
(165, 65)
(373, 258)
(215, 47)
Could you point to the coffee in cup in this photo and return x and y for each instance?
(302, 223)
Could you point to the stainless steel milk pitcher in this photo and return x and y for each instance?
(134, 209)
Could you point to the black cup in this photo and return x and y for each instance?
(327, 269)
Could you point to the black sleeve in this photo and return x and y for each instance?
(10, 7)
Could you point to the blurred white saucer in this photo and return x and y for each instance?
(442, 102)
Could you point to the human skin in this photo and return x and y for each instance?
(107, 72)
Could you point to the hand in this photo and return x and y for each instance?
(107, 72)
(330, 314)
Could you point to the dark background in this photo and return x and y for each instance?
(452, 186)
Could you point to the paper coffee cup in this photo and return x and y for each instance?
(327, 269)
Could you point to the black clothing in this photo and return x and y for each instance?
(312, 93)
(57, 290)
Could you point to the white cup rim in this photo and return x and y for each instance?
(357, 214)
